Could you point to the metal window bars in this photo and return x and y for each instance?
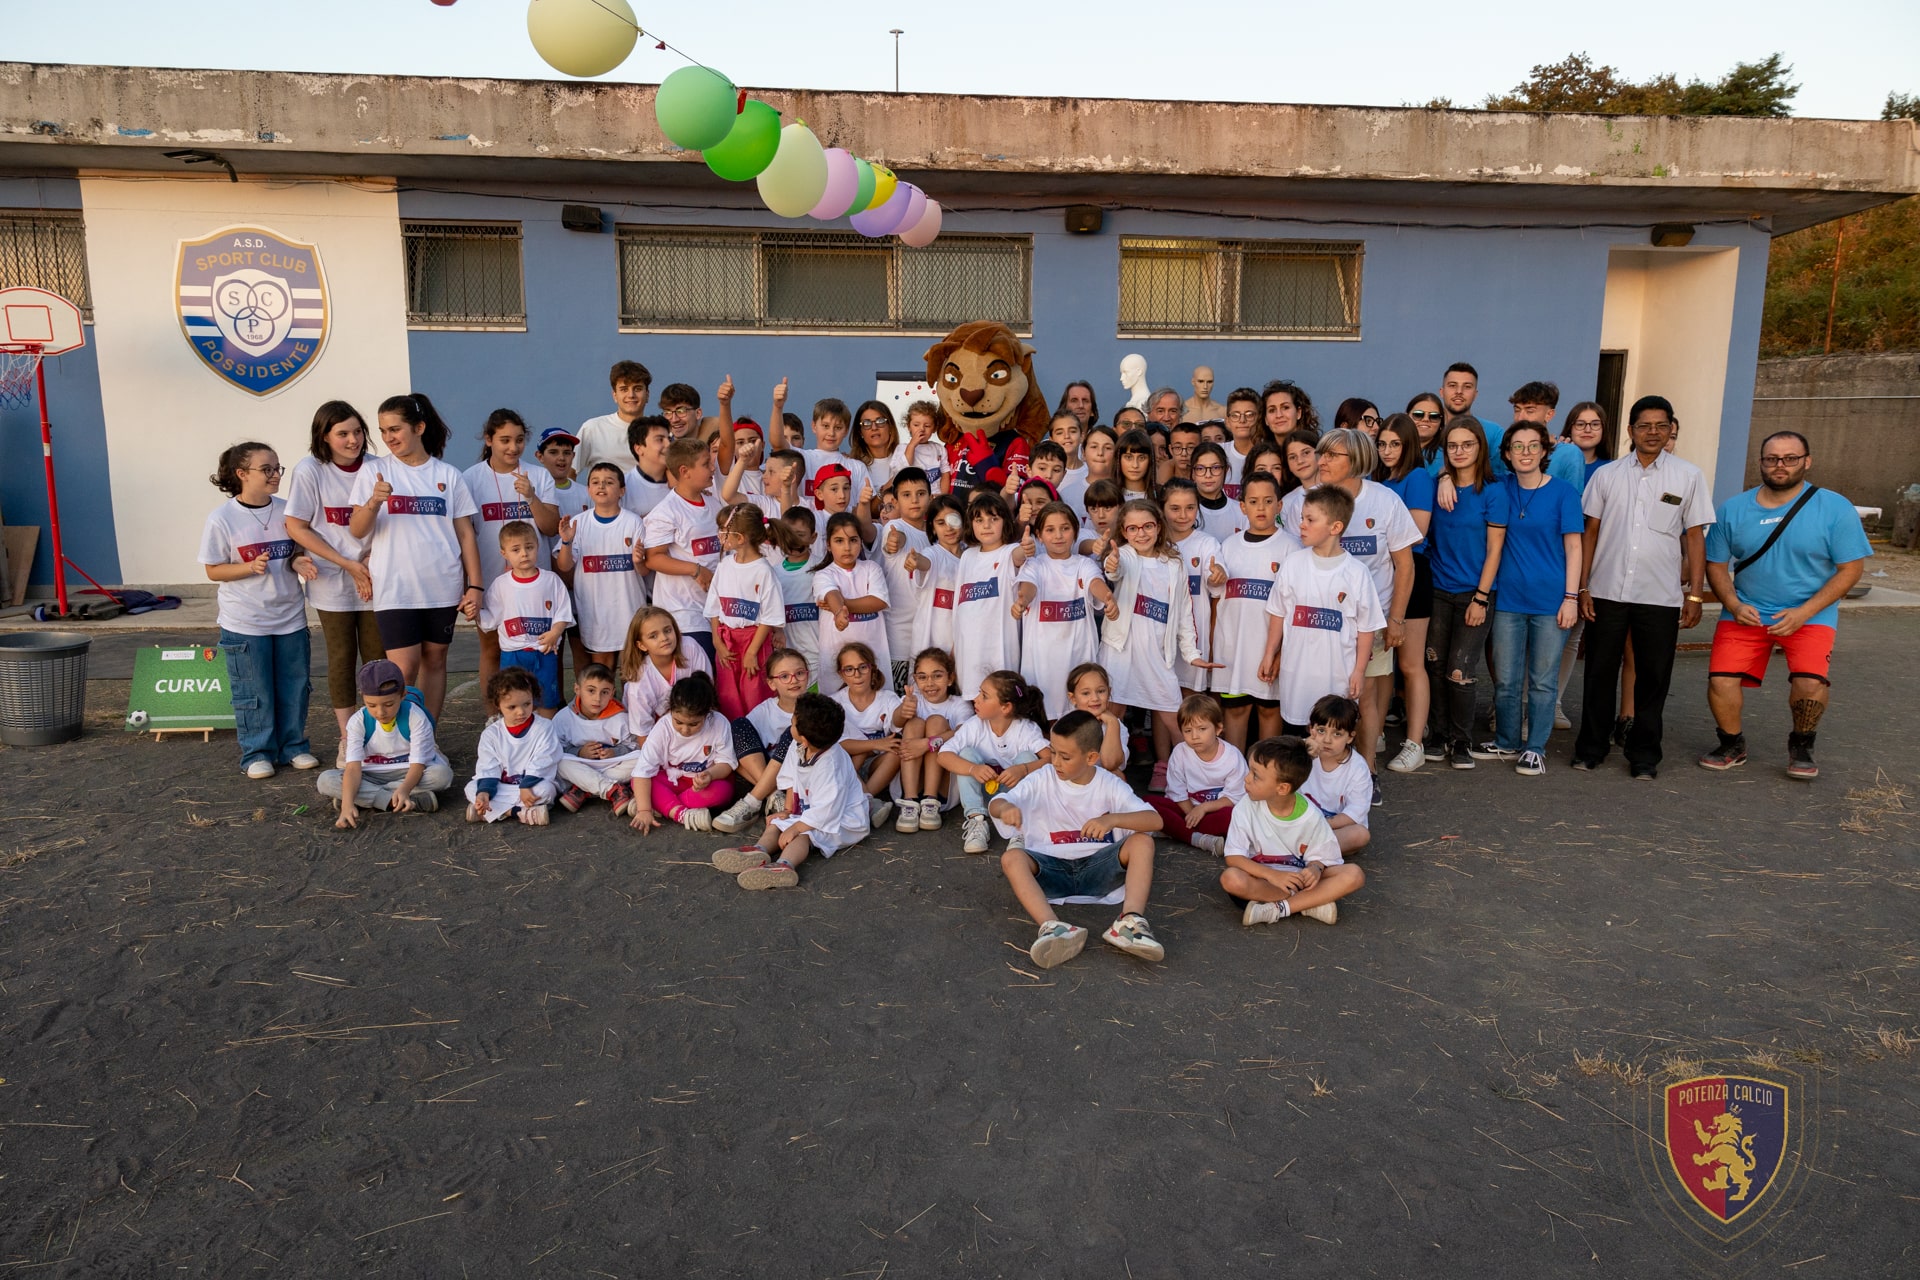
(48, 250)
(1239, 288)
(464, 275)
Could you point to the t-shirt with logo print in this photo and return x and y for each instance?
(1251, 563)
(1058, 632)
(1324, 602)
(1381, 525)
(496, 502)
(692, 756)
(268, 604)
(322, 494)
(688, 533)
(1199, 552)
(608, 586)
(387, 752)
(986, 638)
(870, 629)
(415, 556)
(1346, 788)
(745, 596)
(1259, 835)
(1053, 810)
(521, 610)
(1202, 781)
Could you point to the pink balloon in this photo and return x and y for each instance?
(923, 231)
(843, 183)
(916, 206)
(875, 223)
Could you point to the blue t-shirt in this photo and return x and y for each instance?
(1533, 559)
(1824, 536)
(1568, 465)
(1458, 549)
(1416, 494)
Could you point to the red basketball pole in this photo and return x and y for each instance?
(53, 497)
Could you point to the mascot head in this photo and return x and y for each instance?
(984, 378)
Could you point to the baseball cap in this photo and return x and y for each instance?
(380, 678)
(551, 434)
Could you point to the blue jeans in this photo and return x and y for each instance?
(973, 793)
(1526, 673)
(270, 684)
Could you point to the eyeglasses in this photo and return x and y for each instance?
(274, 470)
(790, 675)
(1238, 415)
(1336, 453)
(1782, 459)
(1424, 415)
(1149, 527)
(1658, 425)
(875, 422)
(1207, 468)
(681, 411)
(860, 670)
(1374, 418)
(1587, 424)
(1524, 447)
(1461, 446)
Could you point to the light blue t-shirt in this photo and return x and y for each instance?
(1457, 545)
(1533, 559)
(1568, 465)
(1824, 536)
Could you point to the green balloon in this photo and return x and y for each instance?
(695, 107)
(749, 146)
(863, 193)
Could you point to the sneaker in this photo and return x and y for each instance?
(697, 819)
(535, 816)
(1622, 726)
(1491, 751)
(1730, 754)
(1215, 845)
(572, 798)
(777, 804)
(909, 819)
(1159, 782)
(305, 760)
(1800, 765)
(340, 756)
(1459, 757)
(473, 813)
(1434, 749)
(1531, 763)
(1560, 720)
(929, 814)
(1585, 766)
(620, 796)
(260, 770)
(1412, 756)
(424, 801)
(1133, 935)
(1379, 796)
(1325, 913)
(744, 858)
(1396, 711)
(771, 875)
(1261, 913)
(738, 814)
(1058, 943)
(1643, 773)
(1380, 745)
(879, 809)
(974, 834)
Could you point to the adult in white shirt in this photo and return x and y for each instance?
(604, 439)
(1647, 515)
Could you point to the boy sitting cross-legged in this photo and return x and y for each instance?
(826, 806)
(599, 746)
(1067, 812)
(392, 760)
(1282, 858)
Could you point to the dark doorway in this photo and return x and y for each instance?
(1608, 386)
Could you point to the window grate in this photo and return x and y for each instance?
(712, 278)
(1239, 288)
(48, 251)
(464, 275)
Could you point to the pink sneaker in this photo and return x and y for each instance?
(1159, 783)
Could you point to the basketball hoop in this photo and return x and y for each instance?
(35, 323)
(18, 365)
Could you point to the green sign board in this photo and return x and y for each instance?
(179, 689)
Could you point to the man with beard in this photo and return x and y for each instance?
(1779, 557)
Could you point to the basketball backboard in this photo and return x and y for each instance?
(38, 317)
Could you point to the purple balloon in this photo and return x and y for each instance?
(883, 221)
(843, 183)
(916, 206)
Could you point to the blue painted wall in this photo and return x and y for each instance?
(79, 436)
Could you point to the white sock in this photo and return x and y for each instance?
(1285, 910)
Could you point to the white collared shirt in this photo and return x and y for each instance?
(1644, 513)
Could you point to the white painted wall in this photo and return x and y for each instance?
(1671, 310)
(167, 415)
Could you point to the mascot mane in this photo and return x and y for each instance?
(992, 339)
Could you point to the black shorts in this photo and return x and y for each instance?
(1420, 603)
(747, 742)
(406, 628)
(1232, 700)
(1291, 730)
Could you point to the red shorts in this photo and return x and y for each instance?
(1742, 650)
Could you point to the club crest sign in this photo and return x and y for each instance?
(253, 305)
(1725, 1139)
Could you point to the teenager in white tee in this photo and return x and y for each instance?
(319, 505)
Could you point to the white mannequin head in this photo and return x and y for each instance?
(1133, 376)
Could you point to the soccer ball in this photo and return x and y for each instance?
(137, 720)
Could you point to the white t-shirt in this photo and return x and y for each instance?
(688, 532)
(272, 603)
(1191, 778)
(497, 502)
(870, 629)
(645, 696)
(415, 557)
(690, 757)
(827, 796)
(571, 498)
(1381, 525)
(930, 457)
(388, 751)
(933, 600)
(1346, 788)
(986, 638)
(1326, 602)
(322, 494)
(516, 760)
(1236, 469)
(801, 615)
(1240, 618)
(875, 722)
(1223, 523)
(602, 439)
(1058, 632)
(956, 711)
(642, 495)
(1258, 836)
(769, 719)
(744, 596)
(1199, 552)
(1022, 738)
(903, 588)
(1073, 489)
(818, 458)
(608, 585)
(522, 611)
(608, 729)
(1052, 811)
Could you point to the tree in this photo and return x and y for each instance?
(1901, 106)
(1576, 84)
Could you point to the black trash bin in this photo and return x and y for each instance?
(43, 687)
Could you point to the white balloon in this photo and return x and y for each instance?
(793, 184)
(582, 37)
(922, 233)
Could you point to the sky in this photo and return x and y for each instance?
(1385, 53)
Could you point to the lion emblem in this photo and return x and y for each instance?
(1728, 1152)
(983, 376)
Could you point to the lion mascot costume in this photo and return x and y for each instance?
(991, 409)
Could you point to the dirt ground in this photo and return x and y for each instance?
(1901, 567)
(236, 1042)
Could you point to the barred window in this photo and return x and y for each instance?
(47, 250)
(1239, 288)
(711, 278)
(464, 275)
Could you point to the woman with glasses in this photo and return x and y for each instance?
(1586, 430)
(1357, 412)
(1400, 471)
(1244, 430)
(1219, 515)
(876, 437)
(1538, 592)
(1466, 558)
(1427, 413)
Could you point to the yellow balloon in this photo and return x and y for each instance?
(582, 37)
(884, 182)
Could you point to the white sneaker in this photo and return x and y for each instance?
(1531, 763)
(909, 819)
(260, 770)
(879, 809)
(534, 817)
(1560, 720)
(697, 819)
(1380, 744)
(1412, 756)
(305, 760)
(1058, 943)
(974, 835)
(1215, 845)
(1325, 913)
(738, 814)
(930, 814)
(777, 804)
(1260, 913)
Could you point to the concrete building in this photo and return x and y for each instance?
(1357, 251)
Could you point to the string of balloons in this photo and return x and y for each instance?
(740, 138)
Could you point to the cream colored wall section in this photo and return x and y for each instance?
(1671, 310)
(167, 415)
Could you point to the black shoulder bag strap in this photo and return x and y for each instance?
(1741, 566)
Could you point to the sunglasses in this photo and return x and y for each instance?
(1425, 415)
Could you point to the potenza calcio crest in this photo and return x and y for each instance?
(253, 306)
(1725, 1139)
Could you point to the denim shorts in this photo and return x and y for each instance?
(1094, 876)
